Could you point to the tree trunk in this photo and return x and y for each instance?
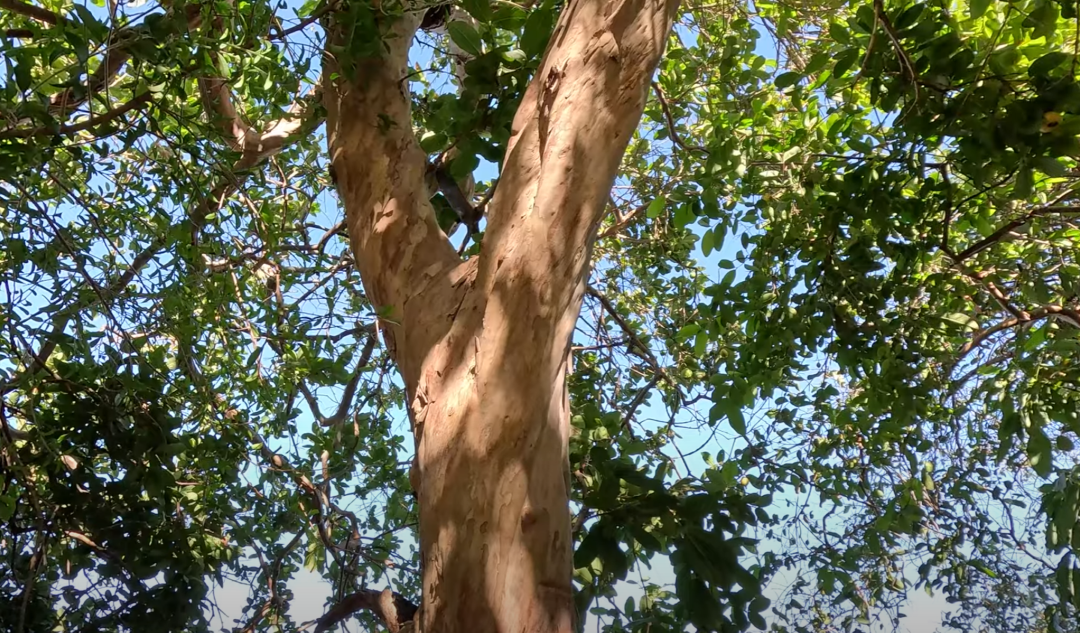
(482, 344)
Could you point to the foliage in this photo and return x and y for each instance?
(832, 329)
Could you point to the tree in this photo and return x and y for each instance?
(891, 337)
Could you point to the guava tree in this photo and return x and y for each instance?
(298, 286)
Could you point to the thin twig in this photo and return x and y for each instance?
(1008, 227)
(1069, 315)
(93, 121)
(320, 11)
(671, 123)
(642, 350)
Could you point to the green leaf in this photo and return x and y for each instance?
(786, 80)
(656, 207)
(687, 331)
(1025, 183)
(479, 9)
(7, 507)
(977, 8)
(537, 31)
(962, 320)
(1049, 166)
(23, 77)
(684, 215)
(844, 61)
(816, 63)
(981, 566)
(465, 36)
(838, 33)
(707, 239)
(1042, 66)
(1040, 452)
(733, 410)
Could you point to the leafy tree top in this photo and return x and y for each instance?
(832, 325)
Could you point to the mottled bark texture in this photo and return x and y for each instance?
(482, 344)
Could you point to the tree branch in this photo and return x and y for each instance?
(622, 220)
(93, 121)
(117, 53)
(319, 11)
(390, 607)
(643, 350)
(380, 172)
(254, 145)
(218, 102)
(1008, 227)
(31, 11)
(350, 389)
(1067, 315)
(671, 123)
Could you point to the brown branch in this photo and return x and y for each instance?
(1008, 227)
(643, 350)
(390, 607)
(117, 53)
(23, 34)
(947, 220)
(30, 11)
(218, 102)
(256, 146)
(320, 11)
(671, 123)
(905, 60)
(93, 121)
(66, 101)
(622, 220)
(638, 400)
(350, 389)
(1067, 314)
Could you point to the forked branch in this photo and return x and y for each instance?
(1067, 315)
(390, 607)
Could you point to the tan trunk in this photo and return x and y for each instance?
(482, 345)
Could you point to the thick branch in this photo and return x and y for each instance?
(31, 11)
(350, 389)
(390, 607)
(569, 135)
(405, 261)
(255, 145)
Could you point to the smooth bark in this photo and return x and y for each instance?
(482, 344)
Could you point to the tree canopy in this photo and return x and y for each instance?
(831, 333)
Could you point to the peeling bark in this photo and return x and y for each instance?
(482, 344)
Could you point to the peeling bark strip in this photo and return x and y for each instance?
(482, 345)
